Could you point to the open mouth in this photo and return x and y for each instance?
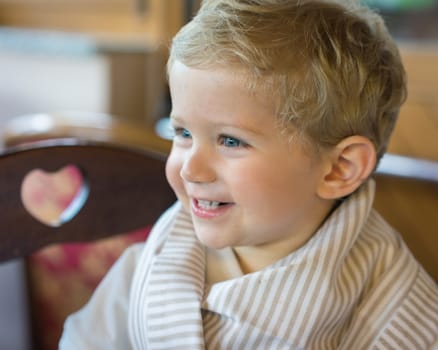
(209, 205)
(206, 209)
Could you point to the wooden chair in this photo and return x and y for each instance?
(122, 165)
(407, 197)
(124, 178)
(127, 190)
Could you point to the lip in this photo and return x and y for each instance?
(204, 213)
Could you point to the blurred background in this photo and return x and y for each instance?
(108, 56)
(94, 56)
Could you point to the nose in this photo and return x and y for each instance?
(197, 166)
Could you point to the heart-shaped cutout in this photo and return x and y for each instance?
(54, 198)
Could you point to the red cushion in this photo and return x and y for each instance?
(63, 277)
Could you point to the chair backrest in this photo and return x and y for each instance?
(407, 197)
(125, 189)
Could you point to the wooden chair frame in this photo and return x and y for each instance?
(128, 190)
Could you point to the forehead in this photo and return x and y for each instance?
(218, 96)
(182, 74)
(253, 82)
(230, 86)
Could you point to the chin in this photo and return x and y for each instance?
(211, 242)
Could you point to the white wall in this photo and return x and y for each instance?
(35, 82)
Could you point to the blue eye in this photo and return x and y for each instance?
(231, 142)
(184, 133)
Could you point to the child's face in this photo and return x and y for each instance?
(239, 177)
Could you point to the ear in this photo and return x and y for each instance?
(350, 163)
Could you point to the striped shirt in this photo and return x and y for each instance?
(354, 285)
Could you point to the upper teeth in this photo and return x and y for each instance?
(208, 204)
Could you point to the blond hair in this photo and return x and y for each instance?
(331, 66)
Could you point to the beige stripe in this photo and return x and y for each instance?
(327, 294)
(396, 341)
(246, 303)
(422, 327)
(345, 295)
(408, 336)
(312, 303)
(425, 305)
(223, 330)
(380, 304)
(284, 312)
(268, 314)
(159, 291)
(137, 311)
(337, 298)
(174, 320)
(309, 278)
(410, 323)
(212, 323)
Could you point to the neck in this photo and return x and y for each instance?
(255, 258)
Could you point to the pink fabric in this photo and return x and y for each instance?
(63, 277)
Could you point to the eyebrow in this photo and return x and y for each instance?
(245, 128)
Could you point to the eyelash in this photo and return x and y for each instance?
(223, 139)
(184, 133)
(237, 143)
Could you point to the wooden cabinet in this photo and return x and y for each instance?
(157, 20)
(133, 35)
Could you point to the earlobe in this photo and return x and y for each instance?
(350, 163)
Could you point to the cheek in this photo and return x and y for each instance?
(173, 168)
(268, 187)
